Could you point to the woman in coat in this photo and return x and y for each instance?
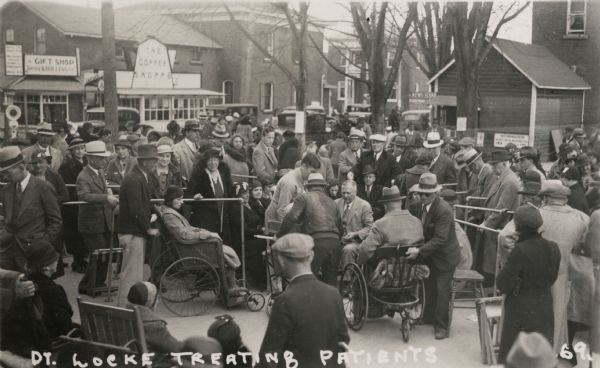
(236, 157)
(526, 279)
(211, 178)
(253, 225)
(165, 172)
(257, 200)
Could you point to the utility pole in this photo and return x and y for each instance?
(109, 65)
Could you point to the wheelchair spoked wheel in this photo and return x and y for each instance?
(255, 302)
(189, 286)
(353, 289)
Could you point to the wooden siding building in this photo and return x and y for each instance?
(523, 90)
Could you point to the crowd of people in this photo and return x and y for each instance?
(352, 194)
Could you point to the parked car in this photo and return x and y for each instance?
(229, 109)
(316, 122)
(95, 116)
(418, 117)
(356, 111)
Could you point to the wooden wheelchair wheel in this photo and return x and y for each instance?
(355, 299)
(189, 286)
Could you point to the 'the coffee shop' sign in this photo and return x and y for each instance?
(152, 66)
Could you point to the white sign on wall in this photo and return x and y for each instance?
(13, 59)
(519, 140)
(51, 65)
(152, 66)
(480, 139)
(461, 124)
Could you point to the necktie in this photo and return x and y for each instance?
(424, 214)
(356, 154)
(344, 223)
(17, 200)
(368, 192)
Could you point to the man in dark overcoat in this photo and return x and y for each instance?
(440, 252)
(382, 161)
(308, 316)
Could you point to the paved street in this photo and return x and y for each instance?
(460, 350)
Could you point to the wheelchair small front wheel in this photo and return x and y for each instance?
(255, 302)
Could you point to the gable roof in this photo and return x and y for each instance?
(129, 25)
(536, 63)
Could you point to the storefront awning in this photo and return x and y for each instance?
(442, 100)
(30, 84)
(168, 92)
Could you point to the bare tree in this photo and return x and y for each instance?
(470, 22)
(377, 30)
(298, 24)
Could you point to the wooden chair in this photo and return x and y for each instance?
(102, 255)
(113, 326)
(489, 319)
(467, 278)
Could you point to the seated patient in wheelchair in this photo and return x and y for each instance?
(185, 233)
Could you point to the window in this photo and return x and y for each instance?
(196, 107)
(119, 51)
(270, 42)
(39, 46)
(157, 108)
(392, 96)
(35, 108)
(196, 55)
(576, 17)
(343, 60)
(390, 60)
(266, 97)
(341, 89)
(133, 102)
(228, 92)
(9, 35)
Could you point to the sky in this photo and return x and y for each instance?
(334, 14)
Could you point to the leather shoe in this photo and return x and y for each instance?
(441, 334)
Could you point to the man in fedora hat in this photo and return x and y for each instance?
(318, 217)
(29, 210)
(350, 156)
(134, 218)
(370, 191)
(503, 195)
(383, 162)
(186, 150)
(442, 166)
(404, 154)
(264, 160)
(44, 136)
(396, 227)
(119, 166)
(95, 219)
(440, 252)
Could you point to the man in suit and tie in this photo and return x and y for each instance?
(370, 191)
(357, 219)
(440, 252)
(442, 166)
(186, 150)
(308, 317)
(95, 219)
(264, 160)
(405, 155)
(29, 210)
(382, 161)
(45, 136)
(350, 156)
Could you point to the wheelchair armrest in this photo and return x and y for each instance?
(393, 251)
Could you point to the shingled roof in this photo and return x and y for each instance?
(129, 25)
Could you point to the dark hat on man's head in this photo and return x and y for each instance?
(528, 216)
(255, 183)
(315, 179)
(220, 131)
(147, 151)
(40, 254)
(500, 156)
(528, 152)
(46, 129)
(532, 176)
(191, 125)
(400, 140)
(391, 194)
(566, 151)
(449, 195)
(123, 143)
(288, 134)
(10, 156)
(294, 245)
(425, 158)
(227, 332)
(368, 169)
(76, 142)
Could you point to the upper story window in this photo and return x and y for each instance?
(119, 51)
(266, 97)
(9, 35)
(576, 17)
(389, 59)
(39, 46)
(270, 42)
(196, 55)
(341, 90)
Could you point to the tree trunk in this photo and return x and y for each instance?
(467, 79)
(378, 115)
(111, 100)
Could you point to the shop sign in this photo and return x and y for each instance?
(13, 59)
(51, 65)
(152, 66)
(519, 140)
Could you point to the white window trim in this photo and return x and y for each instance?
(568, 29)
(389, 60)
(263, 87)
(11, 32)
(341, 85)
(223, 90)
(35, 41)
(270, 46)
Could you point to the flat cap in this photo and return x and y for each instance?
(554, 189)
(356, 133)
(467, 141)
(528, 216)
(294, 245)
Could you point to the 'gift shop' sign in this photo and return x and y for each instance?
(51, 65)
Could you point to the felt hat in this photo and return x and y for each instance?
(163, 148)
(142, 293)
(499, 155)
(76, 142)
(147, 151)
(578, 133)
(165, 140)
(368, 169)
(530, 188)
(96, 148)
(10, 156)
(236, 115)
(400, 140)
(220, 131)
(554, 189)
(528, 152)
(294, 245)
(226, 331)
(173, 192)
(459, 159)
(45, 129)
(467, 141)
(528, 216)
(229, 118)
(40, 254)
(191, 125)
(255, 183)
(123, 143)
(471, 156)
(532, 175)
(390, 195)
(316, 179)
(425, 158)
(356, 134)
(433, 140)
(449, 195)
(531, 350)
(377, 138)
(427, 184)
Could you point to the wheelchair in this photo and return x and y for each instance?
(190, 279)
(388, 283)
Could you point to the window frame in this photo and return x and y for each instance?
(263, 96)
(11, 32)
(37, 43)
(341, 87)
(270, 43)
(389, 59)
(224, 91)
(570, 15)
